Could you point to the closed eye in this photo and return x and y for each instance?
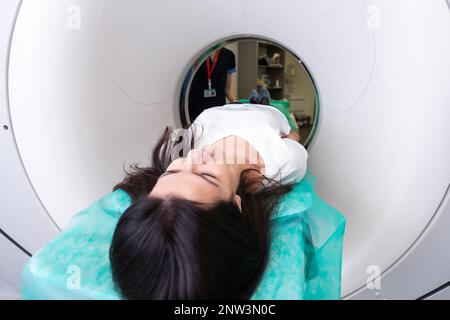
(202, 175)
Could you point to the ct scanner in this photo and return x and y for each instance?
(86, 86)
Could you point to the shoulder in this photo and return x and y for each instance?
(297, 156)
(209, 114)
(290, 163)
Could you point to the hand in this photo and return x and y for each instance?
(294, 136)
(293, 119)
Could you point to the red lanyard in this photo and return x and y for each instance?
(210, 70)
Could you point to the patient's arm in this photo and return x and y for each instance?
(293, 135)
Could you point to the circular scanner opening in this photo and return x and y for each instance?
(251, 70)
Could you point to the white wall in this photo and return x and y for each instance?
(300, 88)
(234, 78)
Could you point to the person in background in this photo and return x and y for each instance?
(260, 95)
(212, 82)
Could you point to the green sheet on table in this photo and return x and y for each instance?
(305, 256)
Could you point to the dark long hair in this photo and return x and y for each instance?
(175, 249)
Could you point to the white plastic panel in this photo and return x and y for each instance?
(8, 292)
(84, 101)
(423, 268)
(12, 263)
(74, 127)
(330, 36)
(385, 162)
(147, 55)
(22, 215)
(443, 294)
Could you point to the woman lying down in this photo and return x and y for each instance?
(199, 225)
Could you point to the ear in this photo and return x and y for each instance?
(237, 200)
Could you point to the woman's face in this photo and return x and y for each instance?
(199, 177)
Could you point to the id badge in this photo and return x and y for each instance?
(209, 93)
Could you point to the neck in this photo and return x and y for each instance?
(240, 156)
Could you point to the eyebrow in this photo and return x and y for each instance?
(201, 175)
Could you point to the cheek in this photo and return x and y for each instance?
(226, 177)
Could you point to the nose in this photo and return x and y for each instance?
(194, 157)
